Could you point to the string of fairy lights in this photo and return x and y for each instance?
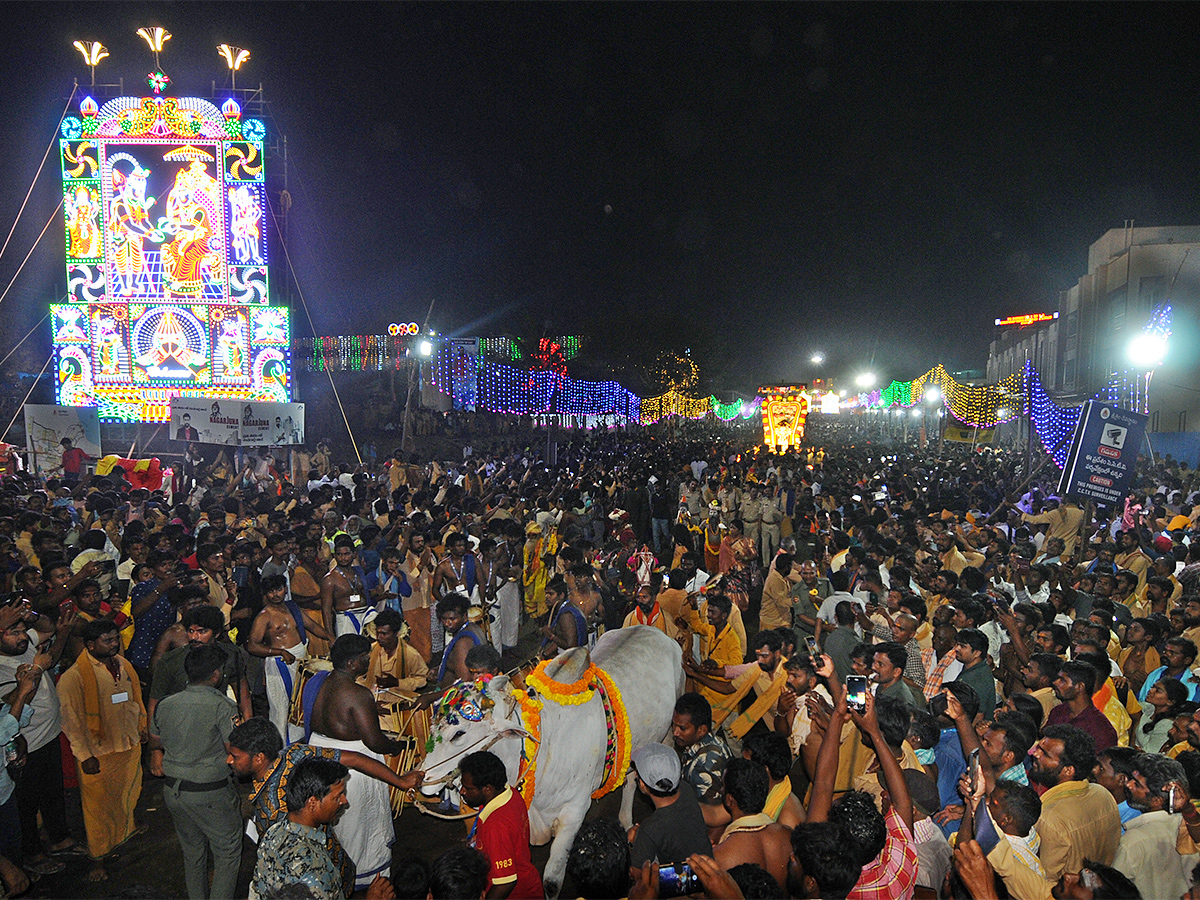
(472, 374)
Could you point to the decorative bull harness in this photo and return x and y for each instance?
(460, 702)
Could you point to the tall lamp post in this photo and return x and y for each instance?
(1147, 352)
(93, 52)
(234, 57)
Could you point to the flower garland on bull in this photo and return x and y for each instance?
(471, 702)
(616, 720)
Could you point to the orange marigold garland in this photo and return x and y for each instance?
(616, 721)
(531, 718)
(573, 694)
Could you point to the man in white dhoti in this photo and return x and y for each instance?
(342, 715)
(279, 637)
(345, 603)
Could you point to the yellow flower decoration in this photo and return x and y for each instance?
(573, 694)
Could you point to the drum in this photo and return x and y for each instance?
(477, 615)
(308, 667)
(403, 719)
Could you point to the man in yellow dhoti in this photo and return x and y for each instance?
(105, 721)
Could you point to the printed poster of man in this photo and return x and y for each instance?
(206, 421)
(272, 424)
(246, 423)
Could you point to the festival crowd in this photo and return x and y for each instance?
(908, 674)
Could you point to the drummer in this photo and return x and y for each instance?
(279, 636)
(394, 664)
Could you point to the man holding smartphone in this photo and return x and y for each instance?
(676, 829)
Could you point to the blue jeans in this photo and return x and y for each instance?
(662, 536)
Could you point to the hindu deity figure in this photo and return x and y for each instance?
(245, 216)
(192, 258)
(186, 258)
(229, 347)
(83, 224)
(109, 346)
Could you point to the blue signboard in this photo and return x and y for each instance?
(1103, 453)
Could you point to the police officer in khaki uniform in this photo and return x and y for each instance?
(752, 517)
(188, 748)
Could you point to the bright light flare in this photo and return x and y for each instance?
(817, 358)
(865, 380)
(1147, 350)
(425, 348)
(933, 394)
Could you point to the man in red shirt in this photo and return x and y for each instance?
(501, 829)
(72, 461)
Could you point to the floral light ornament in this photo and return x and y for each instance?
(155, 38)
(234, 57)
(93, 52)
(158, 81)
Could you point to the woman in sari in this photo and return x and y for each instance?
(735, 561)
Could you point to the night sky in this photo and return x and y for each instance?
(755, 182)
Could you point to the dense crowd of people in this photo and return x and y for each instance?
(907, 674)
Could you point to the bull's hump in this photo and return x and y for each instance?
(570, 666)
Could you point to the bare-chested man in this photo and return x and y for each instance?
(458, 570)
(461, 636)
(279, 635)
(343, 715)
(345, 603)
(752, 836)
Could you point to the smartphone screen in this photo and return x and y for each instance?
(814, 651)
(856, 692)
(973, 767)
(677, 880)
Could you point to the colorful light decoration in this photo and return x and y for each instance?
(1022, 394)
(92, 52)
(726, 411)
(502, 388)
(158, 81)
(784, 411)
(155, 38)
(234, 57)
(1024, 321)
(166, 258)
(674, 403)
(356, 352)
(512, 350)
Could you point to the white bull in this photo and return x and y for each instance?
(644, 665)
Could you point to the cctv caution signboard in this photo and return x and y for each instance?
(1103, 453)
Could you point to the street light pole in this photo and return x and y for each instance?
(408, 393)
